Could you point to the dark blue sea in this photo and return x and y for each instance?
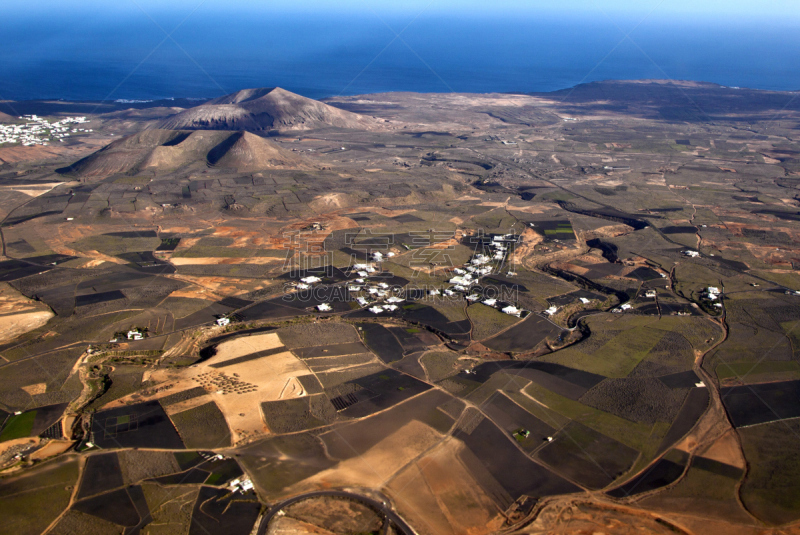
(129, 54)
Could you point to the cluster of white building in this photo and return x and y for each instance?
(39, 131)
(375, 295)
(242, 485)
(479, 266)
(712, 293)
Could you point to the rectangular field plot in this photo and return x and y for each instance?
(292, 415)
(381, 341)
(586, 456)
(203, 427)
(762, 403)
(524, 336)
(101, 474)
(389, 387)
(334, 350)
(511, 418)
(494, 460)
(144, 425)
(101, 297)
(661, 474)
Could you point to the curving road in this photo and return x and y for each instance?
(383, 507)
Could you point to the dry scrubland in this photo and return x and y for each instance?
(627, 397)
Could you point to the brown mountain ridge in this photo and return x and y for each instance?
(266, 109)
(165, 150)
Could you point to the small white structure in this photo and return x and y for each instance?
(434, 292)
(394, 299)
(490, 302)
(511, 274)
(244, 484)
(626, 306)
(552, 310)
(302, 286)
(135, 335)
(473, 298)
(512, 311)
(459, 271)
(362, 301)
(457, 280)
(713, 290)
(691, 254)
(354, 288)
(310, 280)
(650, 293)
(585, 301)
(222, 322)
(390, 308)
(376, 310)
(324, 307)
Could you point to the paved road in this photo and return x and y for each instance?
(388, 513)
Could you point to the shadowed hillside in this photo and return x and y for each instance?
(164, 150)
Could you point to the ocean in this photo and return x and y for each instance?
(89, 56)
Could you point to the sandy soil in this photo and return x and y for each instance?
(459, 498)
(14, 325)
(224, 260)
(379, 463)
(38, 388)
(52, 448)
(726, 450)
(530, 239)
(264, 379)
(284, 525)
(33, 190)
(213, 287)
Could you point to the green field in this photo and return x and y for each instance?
(19, 426)
(28, 504)
(488, 321)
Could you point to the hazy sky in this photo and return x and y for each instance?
(778, 10)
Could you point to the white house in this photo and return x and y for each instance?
(223, 322)
(324, 307)
(512, 311)
(552, 310)
(310, 280)
(135, 335)
(490, 302)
